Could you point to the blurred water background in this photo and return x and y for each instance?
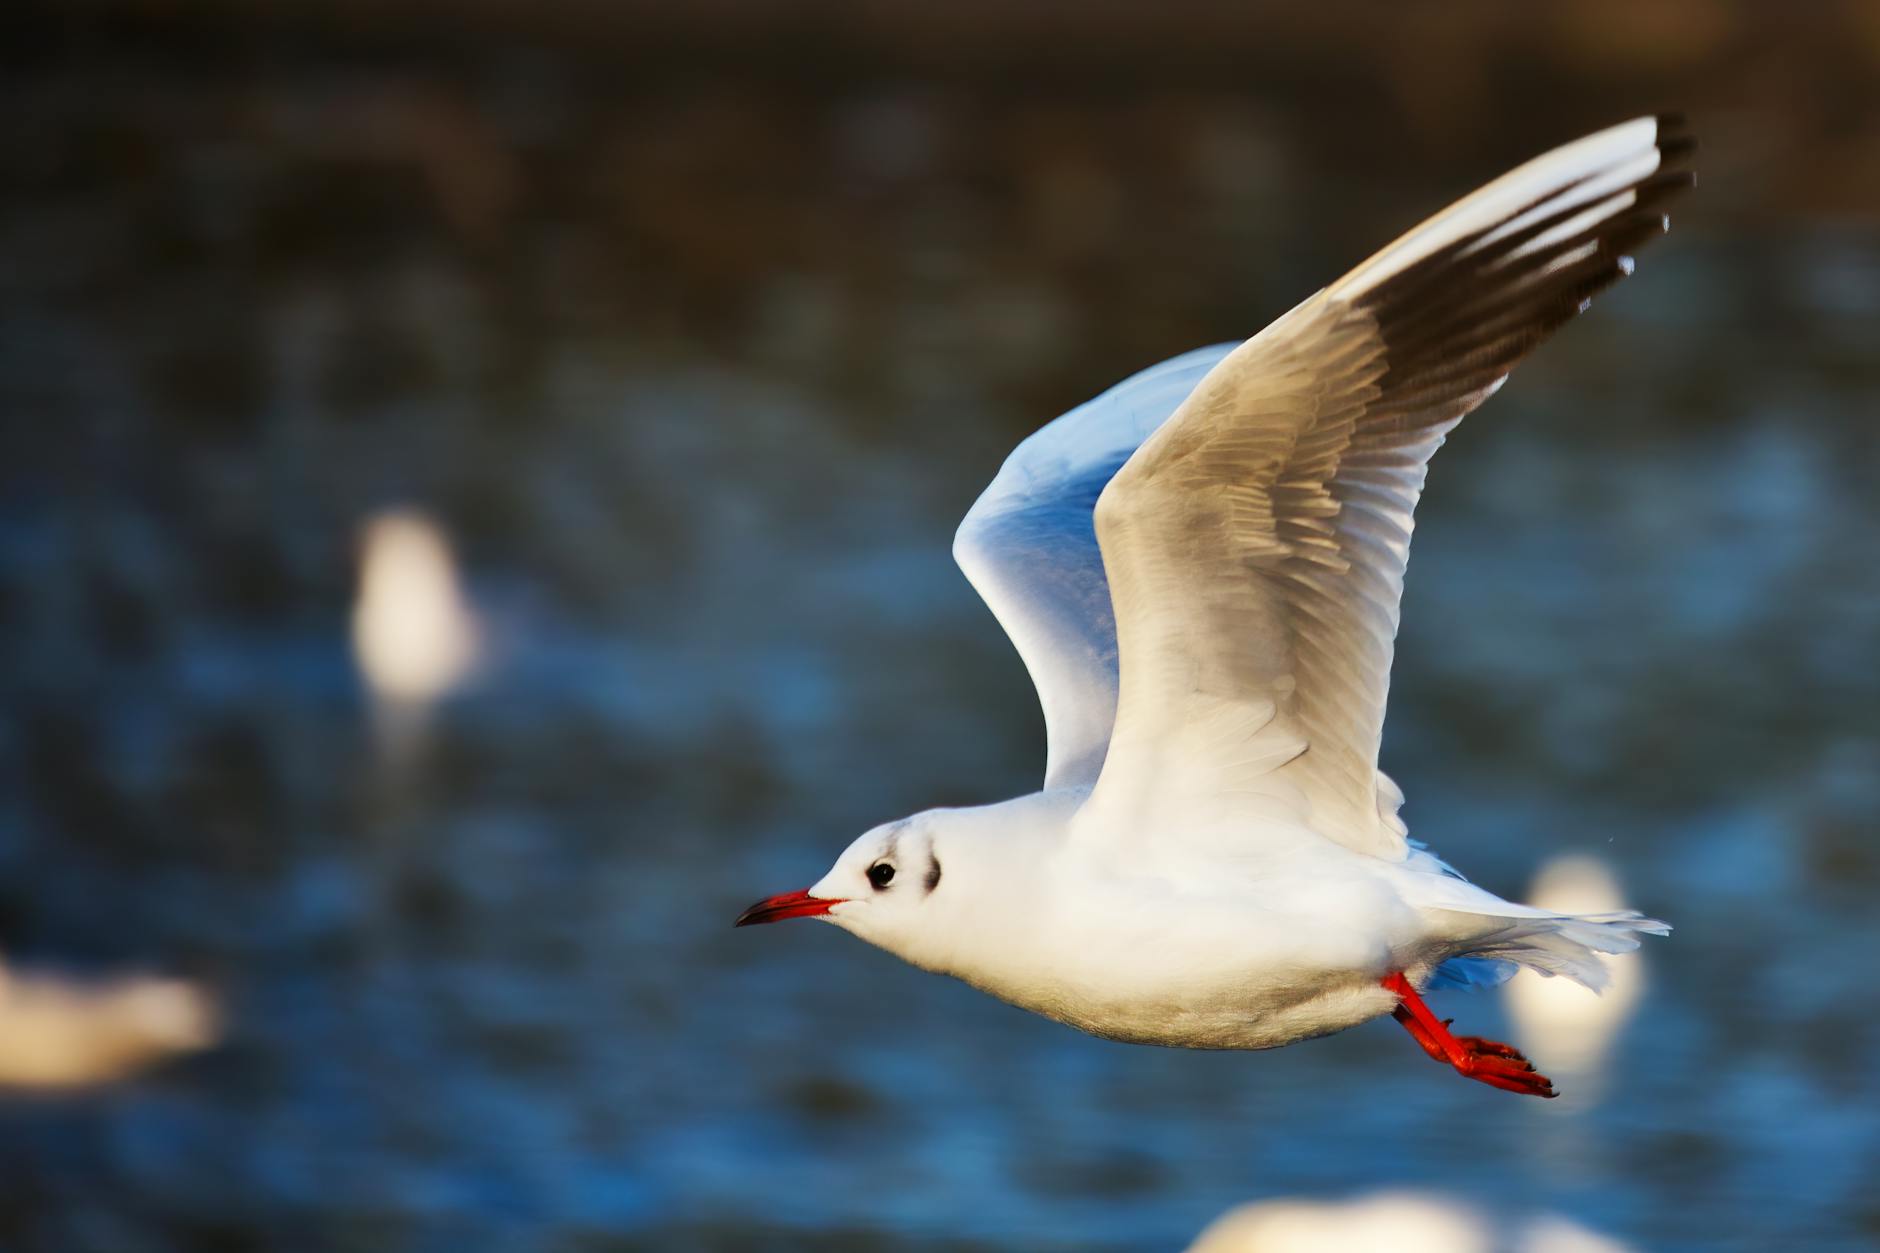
(670, 344)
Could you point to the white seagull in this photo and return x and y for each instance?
(1201, 570)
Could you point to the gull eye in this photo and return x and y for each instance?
(881, 874)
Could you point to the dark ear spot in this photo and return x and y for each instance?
(933, 871)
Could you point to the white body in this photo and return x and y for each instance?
(1201, 569)
(1186, 951)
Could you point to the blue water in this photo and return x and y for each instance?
(701, 419)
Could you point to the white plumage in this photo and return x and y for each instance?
(1201, 569)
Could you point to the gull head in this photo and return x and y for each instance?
(879, 882)
(899, 886)
(941, 890)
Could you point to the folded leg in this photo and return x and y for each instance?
(1486, 1061)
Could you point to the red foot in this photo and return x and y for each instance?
(1485, 1061)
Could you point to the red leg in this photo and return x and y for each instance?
(1430, 1043)
(1485, 1061)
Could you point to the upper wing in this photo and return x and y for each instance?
(1029, 548)
(1256, 542)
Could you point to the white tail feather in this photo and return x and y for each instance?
(1569, 944)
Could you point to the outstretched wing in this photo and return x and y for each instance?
(1028, 546)
(1256, 542)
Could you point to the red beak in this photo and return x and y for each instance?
(789, 905)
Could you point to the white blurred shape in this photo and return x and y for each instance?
(56, 1033)
(1403, 1222)
(1570, 1026)
(1391, 1222)
(1550, 1233)
(413, 630)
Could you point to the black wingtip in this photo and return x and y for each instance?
(1662, 186)
(1677, 149)
(1674, 140)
